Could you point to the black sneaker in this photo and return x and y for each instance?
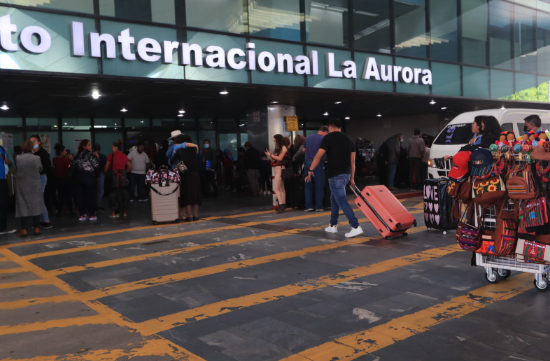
(46, 225)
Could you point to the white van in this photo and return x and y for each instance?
(459, 132)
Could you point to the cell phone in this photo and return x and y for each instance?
(265, 149)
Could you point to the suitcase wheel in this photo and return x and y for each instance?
(405, 234)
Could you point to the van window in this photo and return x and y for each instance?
(455, 134)
(506, 127)
(543, 126)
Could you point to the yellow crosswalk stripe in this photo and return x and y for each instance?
(358, 344)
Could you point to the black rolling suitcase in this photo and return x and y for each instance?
(438, 205)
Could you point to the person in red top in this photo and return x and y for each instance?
(119, 163)
(63, 184)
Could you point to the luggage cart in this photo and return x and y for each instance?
(501, 267)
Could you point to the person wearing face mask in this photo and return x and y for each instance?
(46, 166)
(394, 149)
(207, 172)
(532, 123)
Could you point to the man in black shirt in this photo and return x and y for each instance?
(340, 151)
(252, 165)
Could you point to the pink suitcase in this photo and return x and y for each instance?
(384, 211)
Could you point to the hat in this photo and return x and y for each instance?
(174, 134)
(482, 162)
(460, 166)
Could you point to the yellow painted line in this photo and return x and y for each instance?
(215, 309)
(41, 326)
(207, 271)
(156, 347)
(168, 236)
(4, 286)
(22, 303)
(353, 346)
(11, 270)
(419, 205)
(105, 312)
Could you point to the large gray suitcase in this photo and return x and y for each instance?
(164, 203)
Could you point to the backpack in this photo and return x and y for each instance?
(520, 183)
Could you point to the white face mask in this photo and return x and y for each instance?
(401, 140)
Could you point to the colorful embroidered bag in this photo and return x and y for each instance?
(506, 233)
(488, 192)
(533, 213)
(531, 251)
(467, 235)
(520, 182)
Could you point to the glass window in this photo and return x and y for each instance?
(17, 122)
(71, 140)
(136, 123)
(187, 124)
(139, 68)
(474, 31)
(372, 84)
(327, 22)
(58, 58)
(526, 88)
(216, 74)
(543, 43)
(104, 123)
(419, 88)
(49, 123)
(276, 19)
(525, 40)
(244, 138)
(371, 25)
(231, 18)
(543, 5)
(207, 134)
(444, 30)
(11, 139)
(168, 124)
(543, 85)
(76, 123)
(229, 141)
(502, 84)
(79, 6)
(410, 28)
(274, 77)
(105, 139)
(455, 134)
(206, 124)
(446, 79)
(475, 82)
(227, 125)
(158, 11)
(500, 32)
(324, 81)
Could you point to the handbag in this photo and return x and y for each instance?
(119, 180)
(180, 166)
(468, 236)
(533, 213)
(287, 173)
(532, 251)
(506, 233)
(489, 191)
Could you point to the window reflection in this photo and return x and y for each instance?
(410, 28)
(500, 30)
(371, 25)
(543, 43)
(525, 47)
(444, 30)
(159, 11)
(80, 6)
(232, 19)
(276, 19)
(327, 22)
(474, 31)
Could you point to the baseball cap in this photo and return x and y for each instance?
(482, 162)
(459, 168)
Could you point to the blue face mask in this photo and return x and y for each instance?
(35, 147)
(206, 146)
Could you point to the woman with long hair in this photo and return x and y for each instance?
(86, 166)
(29, 200)
(476, 129)
(277, 158)
(61, 164)
(119, 163)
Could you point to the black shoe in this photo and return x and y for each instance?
(188, 219)
(195, 219)
(46, 225)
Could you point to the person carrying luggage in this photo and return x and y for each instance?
(340, 151)
(311, 147)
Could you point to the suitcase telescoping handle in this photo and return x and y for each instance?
(358, 193)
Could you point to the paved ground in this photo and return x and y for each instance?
(246, 284)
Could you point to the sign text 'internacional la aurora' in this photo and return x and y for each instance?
(37, 40)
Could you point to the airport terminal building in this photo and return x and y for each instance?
(231, 70)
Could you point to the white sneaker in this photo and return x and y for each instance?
(332, 229)
(354, 232)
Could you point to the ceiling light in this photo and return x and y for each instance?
(142, 122)
(4, 107)
(180, 115)
(326, 114)
(182, 111)
(347, 118)
(443, 108)
(124, 110)
(432, 102)
(337, 102)
(224, 92)
(242, 125)
(95, 94)
(379, 115)
(65, 123)
(274, 102)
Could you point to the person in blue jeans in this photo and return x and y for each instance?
(46, 167)
(311, 147)
(340, 152)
